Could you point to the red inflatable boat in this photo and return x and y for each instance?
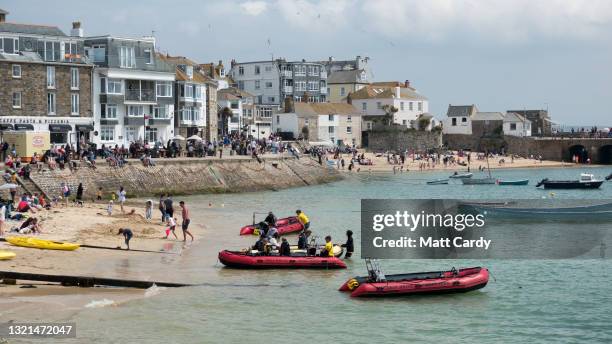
(248, 261)
(440, 282)
(284, 226)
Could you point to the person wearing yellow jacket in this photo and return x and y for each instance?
(304, 220)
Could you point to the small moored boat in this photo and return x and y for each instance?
(438, 182)
(41, 244)
(513, 182)
(478, 181)
(438, 282)
(246, 260)
(586, 181)
(284, 226)
(461, 175)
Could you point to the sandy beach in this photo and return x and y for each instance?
(380, 164)
(89, 225)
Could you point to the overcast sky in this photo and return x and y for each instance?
(497, 54)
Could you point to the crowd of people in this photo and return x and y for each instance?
(271, 243)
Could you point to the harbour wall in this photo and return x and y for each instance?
(187, 176)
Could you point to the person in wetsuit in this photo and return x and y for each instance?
(350, 248)
(285, 249)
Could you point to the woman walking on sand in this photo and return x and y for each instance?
(121, 196)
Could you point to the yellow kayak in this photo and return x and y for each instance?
(42, 244)
(6, 255)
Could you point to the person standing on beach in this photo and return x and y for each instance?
(162, 208)
(186, 221)
(149, 209)
(79, 195)
(127, 234)
(122, 197)
(168, 206)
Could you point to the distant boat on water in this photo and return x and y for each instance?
(586, 181)
(513, 182)
(438, 182)
(461, 175)
(479, 181)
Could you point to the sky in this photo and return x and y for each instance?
(497, 54)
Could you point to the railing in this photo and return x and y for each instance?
(288, 89)
(141, 95)
(140, 63)
(287, 73)
(324, 75)
(323, 90)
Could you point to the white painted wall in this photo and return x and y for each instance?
(285, 122)
(461, 125)
(522, 129)
(405, 114)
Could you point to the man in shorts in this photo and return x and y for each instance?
(186, 221)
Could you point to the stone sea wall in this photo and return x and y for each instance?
(393, 139)
(188, 176)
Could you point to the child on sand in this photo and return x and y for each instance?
(171, 223)
(127, 234)
(109, 208)
(149, 210)
(99, 194)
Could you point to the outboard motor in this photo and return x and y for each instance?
(541, 182)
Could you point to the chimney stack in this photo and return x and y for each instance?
(407, 83)
(397, 92)
(3, 14)
(77, 31)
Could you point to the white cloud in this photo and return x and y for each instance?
(254, 8)
(516, 20)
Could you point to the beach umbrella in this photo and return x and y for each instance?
(179, 138)
(194, 137)
(8, 186)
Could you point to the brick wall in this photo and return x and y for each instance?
(33, 88)
(189, 177)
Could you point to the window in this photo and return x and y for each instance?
(330, 118)
(50, 77)
(99, 53)
(277, 119)
(268, 84)
(454, 122)
(342, 91)
(313, 86)
(369, 125)
(404, 122)
(364, 106)
(114, 86)
(16, 71)
(268, 68)
(349, 118)
(135, 110)
(241, 70)
(160, 112)
(299, 70)
(265, 112)
(131, 134)
(257, 70)
(241, 85)
(108, 111)
(151, 134)
(52, 51)
(402, 106)
(164, 89)
(234, 105)
(512, 126)
(107, 133)
(189, 71)
(187, 90)
(74, 78)
(9, 45)
(197, 92)
(190, 114)
(17, 100)
(330, 130)
(410, 106)
(420, 106)
(313, 70)
(379, 105)
(148, 56)
(300, 85)
(349, 130)
(127, 57)
(70, 50)
(271, 99)
(74, 103)
(463, 119)
(257, 84)
(51, 103)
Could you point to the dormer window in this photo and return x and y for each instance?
(148, 56)
(189, 71)
(9, 45)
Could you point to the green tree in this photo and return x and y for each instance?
(390, 111)
(423, 123)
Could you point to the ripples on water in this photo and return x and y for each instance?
(556, 301)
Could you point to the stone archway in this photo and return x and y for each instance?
(605, 155)
(580, 151)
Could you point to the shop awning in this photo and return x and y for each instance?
(24, 127)
(4, 127)
(60, 128)
(84, 127)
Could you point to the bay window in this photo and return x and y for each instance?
(164, 89)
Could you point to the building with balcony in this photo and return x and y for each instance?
(190, 96)
(372, 100)
(46, 82)
(133, 91)
(332, 123)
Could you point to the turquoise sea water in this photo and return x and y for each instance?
(526, 301)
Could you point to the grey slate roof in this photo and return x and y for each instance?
(488, 116)
(515, 117)
(346, 77)
(3, 11)
(461, 110)
(31, 29)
